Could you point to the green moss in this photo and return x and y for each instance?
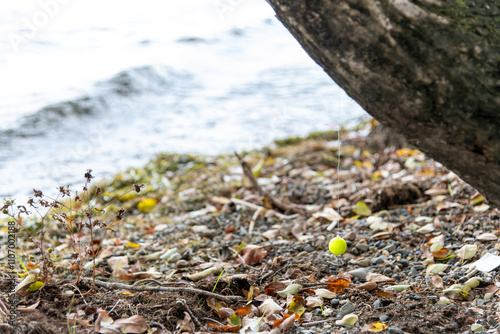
(479, 17)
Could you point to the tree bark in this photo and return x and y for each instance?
(430, 69)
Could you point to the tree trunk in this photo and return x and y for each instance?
(430, 69)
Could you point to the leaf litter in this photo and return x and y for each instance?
(211, 244)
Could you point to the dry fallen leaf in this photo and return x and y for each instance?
(368, 286)
(338, 285)
(117, 264)
(467, 252)
(314, 301)
(487, 237)
(374, 327)
(437, 282)
(377, 278)
(251, 254)
(136, 324)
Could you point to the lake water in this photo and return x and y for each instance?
(106, 84)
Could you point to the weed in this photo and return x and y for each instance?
(218, 279)
(82, 222)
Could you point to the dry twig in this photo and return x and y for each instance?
(275, 202)
(113, 286)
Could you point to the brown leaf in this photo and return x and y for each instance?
(492, 288)
(368, 286)
(338, 285)
(437, 282)
(186, 325)
(378, 278)
(225, 328)
(117, 264)
(225, 312)
(30, 308)
(442, 253)
(133, 325)
(314, 301)
(251, 254)
(287, 323)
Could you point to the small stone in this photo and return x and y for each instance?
(488, 296)
(413, 272)
(462, 279)
(346, 309)
(334, 302)
(364, 262)
(378, 304)
(351, 236)
(492, 321)
(68, 294)
(480, 302)
(175, 257)
(182, 264)
(362, 247)
(390, 247)
(405, 262)
(396, 277)
(395, 330)
(384, 318)
(309, 249)
(360, 273)
(387, 271)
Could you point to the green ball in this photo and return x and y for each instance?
(337, 246)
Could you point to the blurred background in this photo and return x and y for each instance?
(106, 84)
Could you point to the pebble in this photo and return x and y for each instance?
(334, 302)
(309, 249)
(305, 331)
(364, 262)
(378, 259)
(413, 272)
(395, 330)
(175, 257)
(360, 273)
(182, 264)
(396, 277)
(68, 294)
(463, 279)
(492, 321)
(390, 247)
(377, 304)
(346, 309)
(318, 311)
(405, 262)
(362, 247)
(384, 318)
(480, 302)
(387, 271)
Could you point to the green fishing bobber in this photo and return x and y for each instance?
(337, 246)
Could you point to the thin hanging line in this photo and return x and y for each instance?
(338, 157)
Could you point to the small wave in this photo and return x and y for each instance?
(128, 83)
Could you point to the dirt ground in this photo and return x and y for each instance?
(259, 252)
